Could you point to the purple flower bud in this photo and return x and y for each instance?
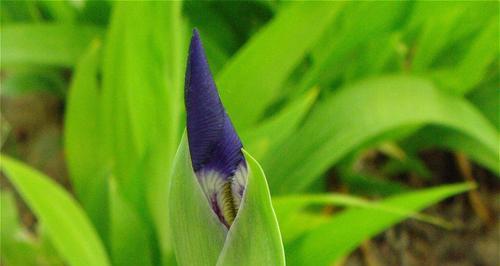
(214, 146)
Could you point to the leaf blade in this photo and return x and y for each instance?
(68, 226)
(379, 105)
(345, 231)
(251, 79)
(254, 238)
(45, 44)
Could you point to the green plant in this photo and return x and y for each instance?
(309, 87)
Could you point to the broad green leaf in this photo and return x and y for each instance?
(165, 142)
(475, 63)
(429, 137)
(141, 93)
(335, 239)
(487, 100)
(474, 15)
(60, 11)
(291, 208)
(17, 11)
(96, 12)
(345, 36)
(252, 78)
(69, 228)
(82, 141)
(254, 238)
(129, 236)
(274, 130)
(19, 245)
(45, 44)
(197, 234)
(436, 34)
(10, 221)
(482, 53)
(141, 102)
(362, 111)
(17, 248)
(374, 56)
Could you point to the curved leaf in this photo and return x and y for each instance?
(68, 227)
(197, 234)
(446, 138)
(129, 236)
(199, 238)
(346, 230)
(82, 140)
(252, 78)
(45, 44)
(273, 131)
(254, 238)
(362, 111)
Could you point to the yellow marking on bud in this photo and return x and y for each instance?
(228, 209)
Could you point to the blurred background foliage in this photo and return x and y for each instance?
(354, 110)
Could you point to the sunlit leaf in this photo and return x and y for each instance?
(362, 111)
(45, 44)
(334, 239)
(271, 132)
(129, 236)
(69, 229)
(253, 77)
(199, 238)
(254, 238)
(83, 142)
(198, 235)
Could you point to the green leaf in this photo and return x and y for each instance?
(10, 222)
(199, 238)
(274, 130)
(475, 64)
(129, 236)
(289, 208)
(69, 228)
(45, 44)
(83, 142)
(487, 100)
(344, 38)
(436, 34)
(252, 78)
(360, 112)
(254, 238)
(429, 137)
(21, 246)
(61, 11)
(18, 248)
(141, 105)
(197, 234)
(14, 11)
(31, 80)
(165, 142)
(346, 230)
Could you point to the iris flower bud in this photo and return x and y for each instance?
(215, 148)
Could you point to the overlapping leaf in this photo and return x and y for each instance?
(68, 227)
(377, 105)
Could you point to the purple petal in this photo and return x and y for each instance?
(213, 142)
(214, 146)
